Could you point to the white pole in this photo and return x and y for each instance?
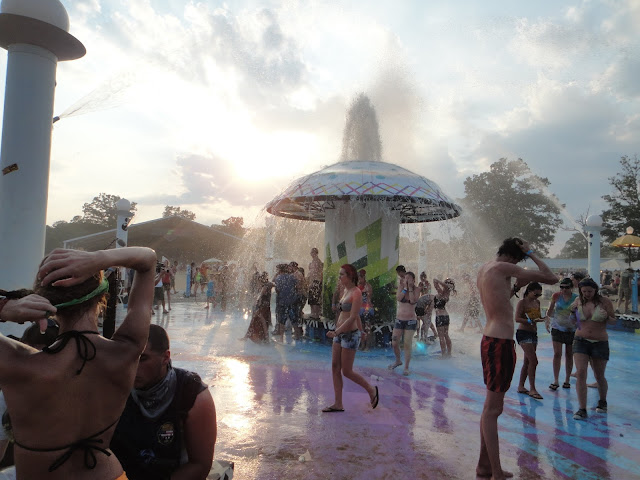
(593, 229)
(26, 146)
(35, 33)
(123, 207)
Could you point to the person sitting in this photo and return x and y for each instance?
(65, 401)
(168, 427)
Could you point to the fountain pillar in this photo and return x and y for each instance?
(35, 34)
(365, 235)
(422, 251)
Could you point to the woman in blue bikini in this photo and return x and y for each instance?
(346, 339)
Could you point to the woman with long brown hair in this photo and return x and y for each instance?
(65, 401)
(346, 339)
(591, 342)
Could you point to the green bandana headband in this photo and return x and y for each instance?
(103, 287)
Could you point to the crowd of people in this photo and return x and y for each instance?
(167, 415)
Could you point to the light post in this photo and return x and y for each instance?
(593, 229)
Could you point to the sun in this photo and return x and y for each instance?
(271, 155)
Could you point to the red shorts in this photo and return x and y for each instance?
(498, 362)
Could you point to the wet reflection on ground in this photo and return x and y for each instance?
(269, 401)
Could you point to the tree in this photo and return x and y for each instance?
(233, 225)
(510, 201)
(624, 202)
(170, 211)
(575, 247)
(61, 231)
(102, 210)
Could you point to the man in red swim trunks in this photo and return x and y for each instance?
(498, 348)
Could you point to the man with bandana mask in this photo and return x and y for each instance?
(168, 427)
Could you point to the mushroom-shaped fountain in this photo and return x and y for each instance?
(362, 201)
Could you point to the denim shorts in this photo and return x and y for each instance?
(348, 339)
(442, 320)
(405, 325)
(525, 336)
(562, 337)
(599, 349)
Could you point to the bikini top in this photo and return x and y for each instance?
(439, 303)
(599, 314)
(533, 313)
(86, 348)
(86, 351)
(88, 445)
(345, 306)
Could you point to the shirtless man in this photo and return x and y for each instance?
(314, 280)
(498, 348)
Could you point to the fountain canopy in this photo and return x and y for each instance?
(414, 197)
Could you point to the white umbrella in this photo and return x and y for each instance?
(613, 264)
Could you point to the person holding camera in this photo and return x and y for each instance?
(158, 292)
(166, 283)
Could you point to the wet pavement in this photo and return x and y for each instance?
(269, 400)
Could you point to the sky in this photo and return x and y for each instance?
(216, 107)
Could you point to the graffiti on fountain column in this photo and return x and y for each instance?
(380, 272)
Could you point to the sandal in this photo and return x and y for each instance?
(566, 385)
(524, 391)
(537, 396)
(555, 386)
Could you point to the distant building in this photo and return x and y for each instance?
(173, 237)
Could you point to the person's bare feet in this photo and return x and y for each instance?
(394, 365)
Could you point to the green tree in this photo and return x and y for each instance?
(61, 231)
(575, 247)
(233, 225)
(170, 211)
(624, 202)
(102, 210)
(510, 201)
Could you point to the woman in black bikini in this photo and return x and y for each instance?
(406, 321)
(64, 402)
(346, 339)
(442, 316)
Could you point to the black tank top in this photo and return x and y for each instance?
(151, 448)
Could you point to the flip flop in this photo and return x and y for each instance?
(524, 392)
(566, 385)
(394, 366)
(333, 409)
(555, 386)
(537, 396)
(374, 402)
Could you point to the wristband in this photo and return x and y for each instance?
(528, 253)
